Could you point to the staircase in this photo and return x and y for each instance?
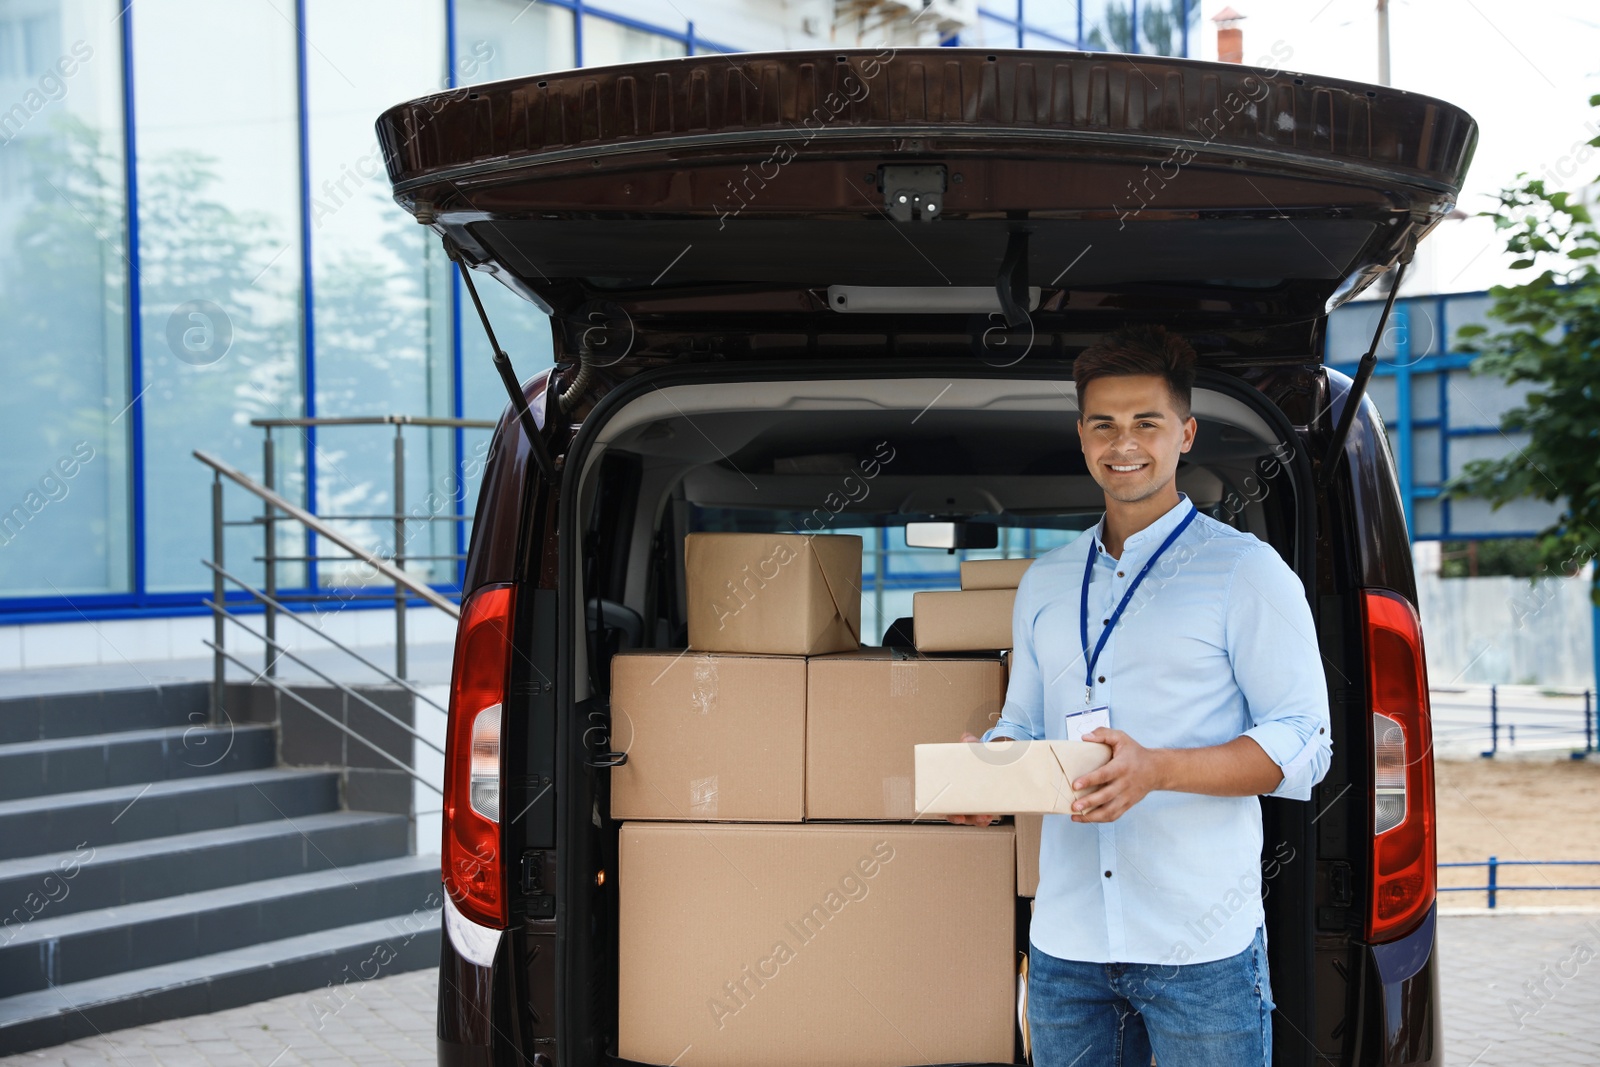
(154, 865)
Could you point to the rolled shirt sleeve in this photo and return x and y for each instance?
(1272, 645)
(1022, 715)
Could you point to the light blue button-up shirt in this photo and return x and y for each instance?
(1218, 641)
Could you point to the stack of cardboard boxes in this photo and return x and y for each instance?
(781, 900)
(978, 615)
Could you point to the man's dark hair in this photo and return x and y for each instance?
(1139, 350)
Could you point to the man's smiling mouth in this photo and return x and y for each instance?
(1125, 468)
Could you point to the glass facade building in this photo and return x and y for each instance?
(197, 231)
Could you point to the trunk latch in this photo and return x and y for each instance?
(1341, 897)
(541, 902)
(912, 192)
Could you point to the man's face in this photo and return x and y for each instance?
(1132, 435)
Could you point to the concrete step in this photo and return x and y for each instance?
(37, 717)
(34, 825)
(333, 963)
(43, 887)
(75, 948)
(96, 761)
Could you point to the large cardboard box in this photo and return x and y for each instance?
(993, 573)
(1003, 777)
(708, 736)
(794, 594)
(962, 620)
(852, 945)
(1029, 829)
(866, 709)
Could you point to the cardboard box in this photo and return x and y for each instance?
(1029, 828)
(1003, 777)
(708, 736)
(962, 620)
(852, 945)
(793, 594)
(993, 573)
(866, 709)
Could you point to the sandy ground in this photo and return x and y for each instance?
(1519, 808)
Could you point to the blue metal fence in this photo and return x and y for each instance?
(1493, 887)
(1591, 735)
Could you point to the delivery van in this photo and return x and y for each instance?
(810, 293)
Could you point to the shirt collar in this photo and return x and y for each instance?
(1156, 531)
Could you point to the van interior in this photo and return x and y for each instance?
(863, 453)
(831, 455)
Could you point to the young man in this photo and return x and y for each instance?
(1188, 648)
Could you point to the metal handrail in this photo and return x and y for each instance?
(344, 559)
(387, 567)
(439, 421)
(291, 694)
(347, 650)
(322, 529)
(259, 520)
(347, 690)
(270, 519)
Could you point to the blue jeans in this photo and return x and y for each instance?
(1216, 1014)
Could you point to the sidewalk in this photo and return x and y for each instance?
(382, 1021)
(1490, 964)
(1521, 990)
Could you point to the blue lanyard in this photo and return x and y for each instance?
(1111, 624)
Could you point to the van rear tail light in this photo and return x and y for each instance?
(473, 866)
(486, 763)
(1403, 842)
(1388, 773)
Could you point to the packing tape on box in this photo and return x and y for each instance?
(903, 676)
(704, 694)
(703, 797)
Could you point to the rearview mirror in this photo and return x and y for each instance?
(952, 535)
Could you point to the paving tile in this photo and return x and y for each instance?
(1513, 991)
(1490, 1017)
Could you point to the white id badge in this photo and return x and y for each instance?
(1079, 723)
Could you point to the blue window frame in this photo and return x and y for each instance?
(1152, 27)
(1437, 413)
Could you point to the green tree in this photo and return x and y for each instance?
(1549, 338)
(1115, 34)
(1514, 556)
(1160, 24)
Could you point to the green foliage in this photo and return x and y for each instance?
(1514, 556)
(1161, 24)
(1116, 32)
(1551, 340)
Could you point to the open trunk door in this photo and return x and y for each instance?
(787, 203)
